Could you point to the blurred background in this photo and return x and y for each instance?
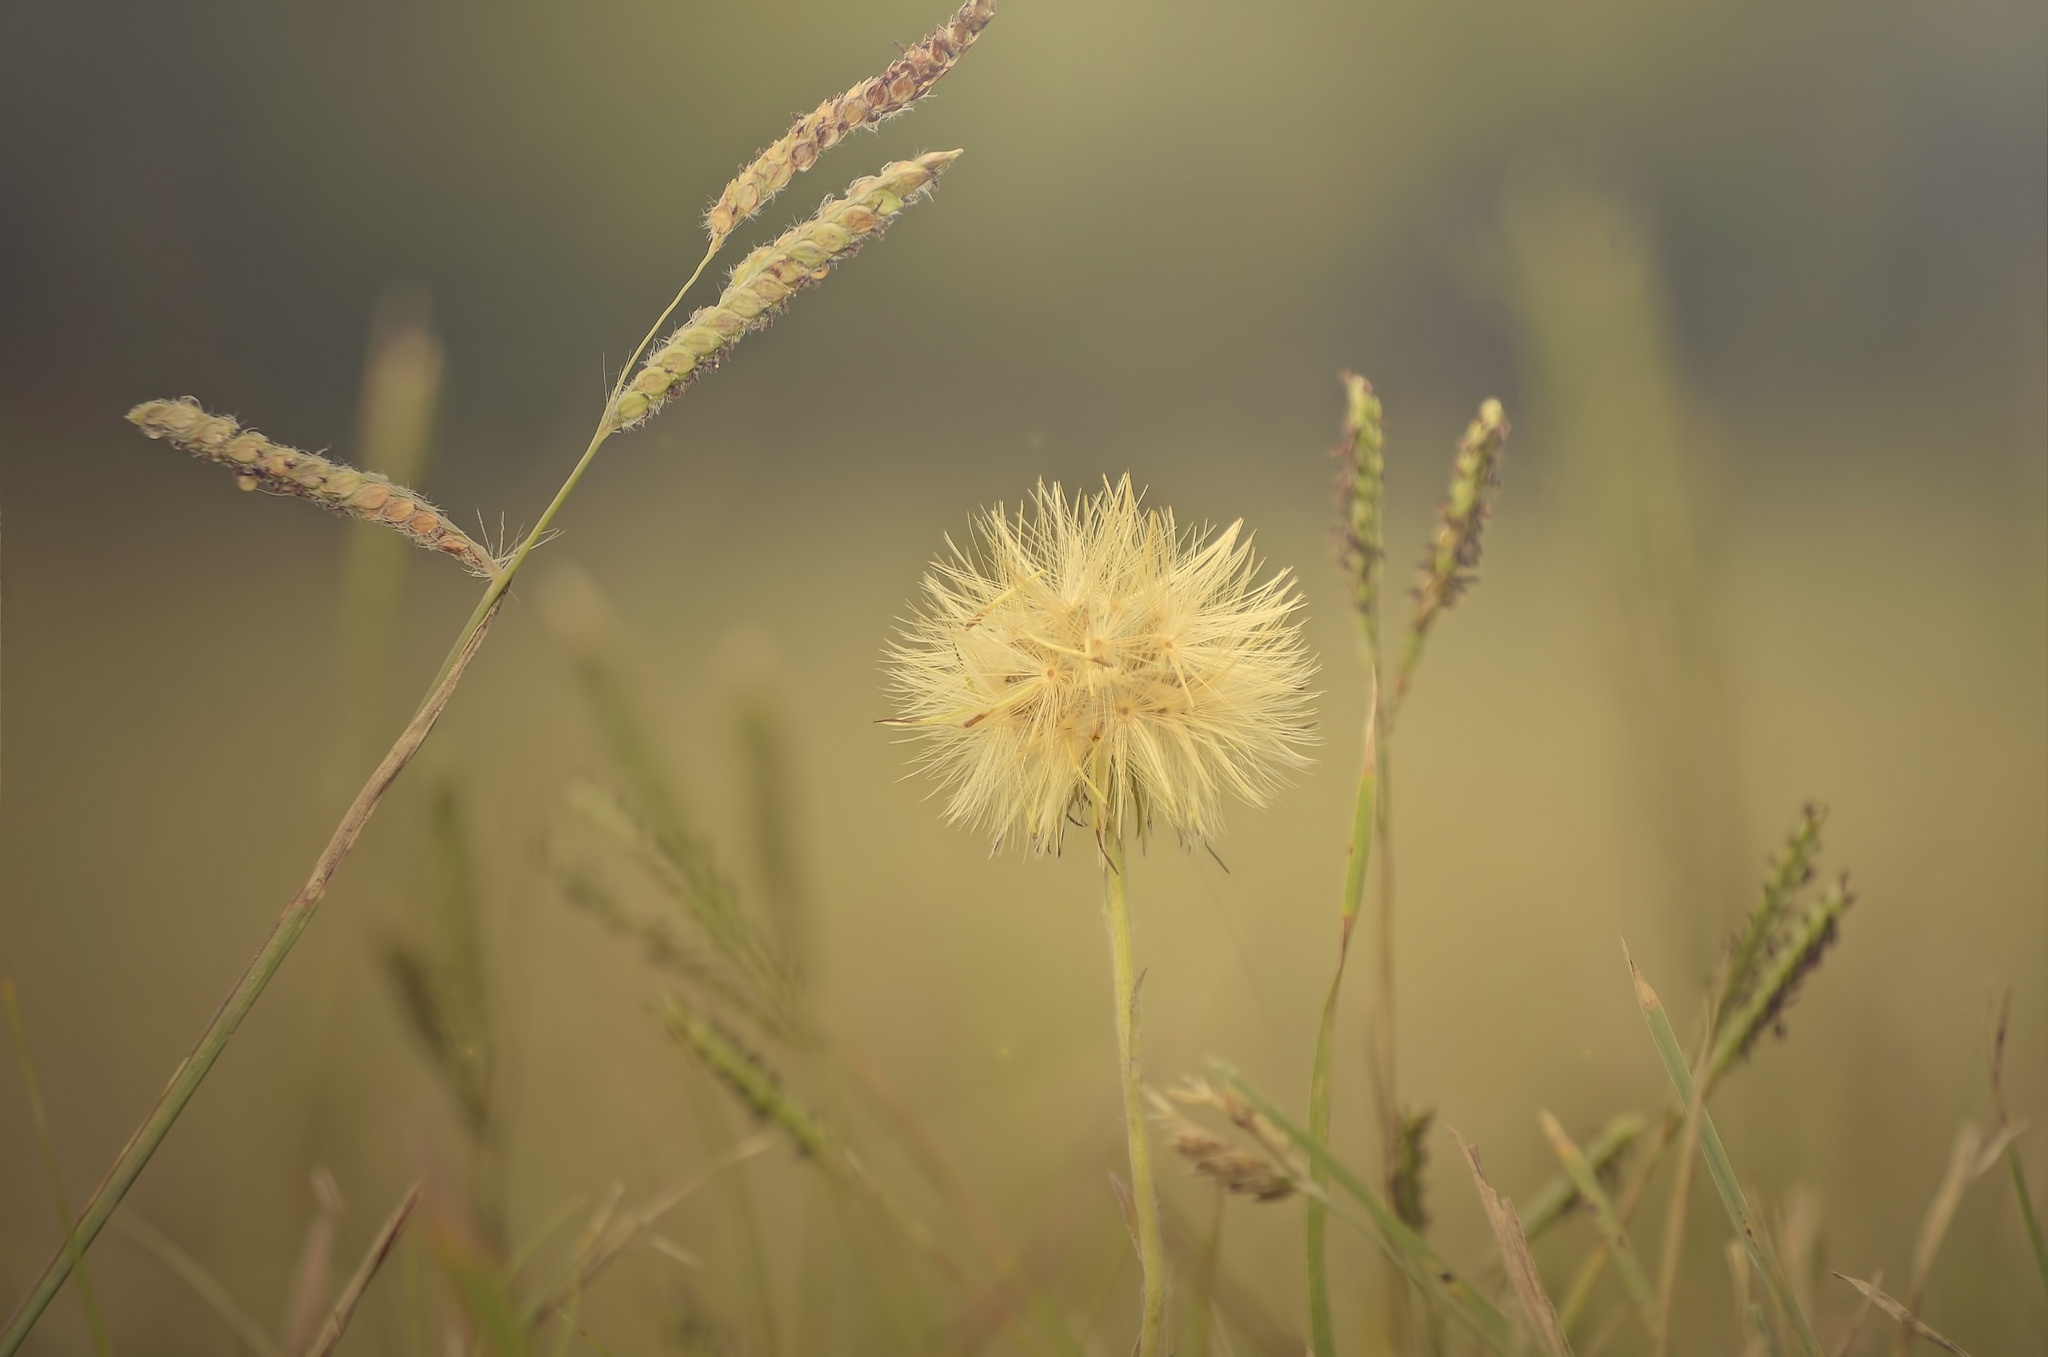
(1762, 287)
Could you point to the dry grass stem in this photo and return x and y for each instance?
(1514, 1252)
(373, 1258)
(260, 464)
(909, 78)
(314, 1275)
(1910, 1326)
(203, 1284)
(763, 282)
(1970, 1159)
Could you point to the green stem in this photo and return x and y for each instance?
(192, 1071)
(1116, 913)
(1363, 816)
(2027, 1216)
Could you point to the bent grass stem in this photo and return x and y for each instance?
(263, 967)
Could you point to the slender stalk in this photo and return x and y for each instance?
(1675, 1217)
(1359, 859)
(1387, 1100)
(1202, 1314)
(1116, 913)
(1719, 1169)
(47, 1145)
(192, 1071)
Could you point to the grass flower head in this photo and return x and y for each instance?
(1095, 665)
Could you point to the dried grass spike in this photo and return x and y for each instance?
(763, 282)
(260, 464)
(909, 78)
(1245, 1174)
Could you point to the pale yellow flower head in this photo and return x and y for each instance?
(1091, 664)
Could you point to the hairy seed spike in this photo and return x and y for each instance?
(1447, 571)
(764, 281)
(1797, 953)
(909, 78)
(1361, 491)
(260, 464)
(1448, 565)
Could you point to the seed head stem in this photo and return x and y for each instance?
(1116, 914)
(284, 934)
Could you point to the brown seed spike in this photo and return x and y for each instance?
(260, 464)
(909, 78)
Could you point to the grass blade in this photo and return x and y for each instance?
(314, 1275)
(352, 1294)
(189, 1271)
(1555, 1199)
(1718, 1166)
(1514, 1252)
(2001, 1017)
(1585, 1180)
(1419, 1263)
(46, 1145)
(1907, 1322)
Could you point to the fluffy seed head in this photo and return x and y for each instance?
(260, 464)
(907, 80)
(1094, 664)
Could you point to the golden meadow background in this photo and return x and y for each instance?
(1762, 288)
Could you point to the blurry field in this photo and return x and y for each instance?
(1763, 294)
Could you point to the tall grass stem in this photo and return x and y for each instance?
(1359, 860)
(192, 1071)
(1116, 914)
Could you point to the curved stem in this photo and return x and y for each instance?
(1116, 913)
(284, 934)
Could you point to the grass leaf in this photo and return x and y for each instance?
(373, 1258)
(1514, 1252)
(1906, 1319)
(1719, 1168)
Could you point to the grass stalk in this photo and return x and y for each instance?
(2001, 1017)
(202, 1283)
(291, 923)
(1202, 1312)
(46, 1146)
(1719, 1168)
(1116, 915)
(1357, 863)
(1675, 1217)
(351, 1295)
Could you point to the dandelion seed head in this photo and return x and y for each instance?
(1091, 664)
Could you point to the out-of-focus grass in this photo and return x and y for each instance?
(1853, 610)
